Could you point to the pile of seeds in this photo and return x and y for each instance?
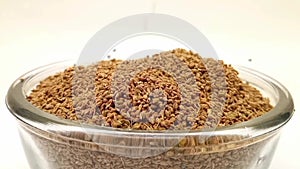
(173, 90)
(176, 89)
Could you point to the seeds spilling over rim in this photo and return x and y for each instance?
(159, 96)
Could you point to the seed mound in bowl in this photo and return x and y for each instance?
(172, 91)
(86, 93)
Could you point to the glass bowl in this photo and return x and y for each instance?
(54, 143)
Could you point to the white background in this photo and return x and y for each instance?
(35, 33)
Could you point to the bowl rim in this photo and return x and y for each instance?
(27, 113)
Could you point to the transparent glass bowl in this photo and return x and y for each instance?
(51, 142)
